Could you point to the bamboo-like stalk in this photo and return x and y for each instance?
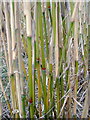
(38, 60)
(57, 40)
(9, 53)
(17, 27)
(54, 20)
(8, 36)
(34, 56)
(50, 81)
(29, 43)
(42, 58)
(57, 56)
(15, 36)
(76, 58)
(50, 52)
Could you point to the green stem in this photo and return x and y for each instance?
(30, 81)
(42, 56)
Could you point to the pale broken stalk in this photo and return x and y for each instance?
(10, 70)
(75, 11)
(14, 58)
(8, 36)
(17, 28)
